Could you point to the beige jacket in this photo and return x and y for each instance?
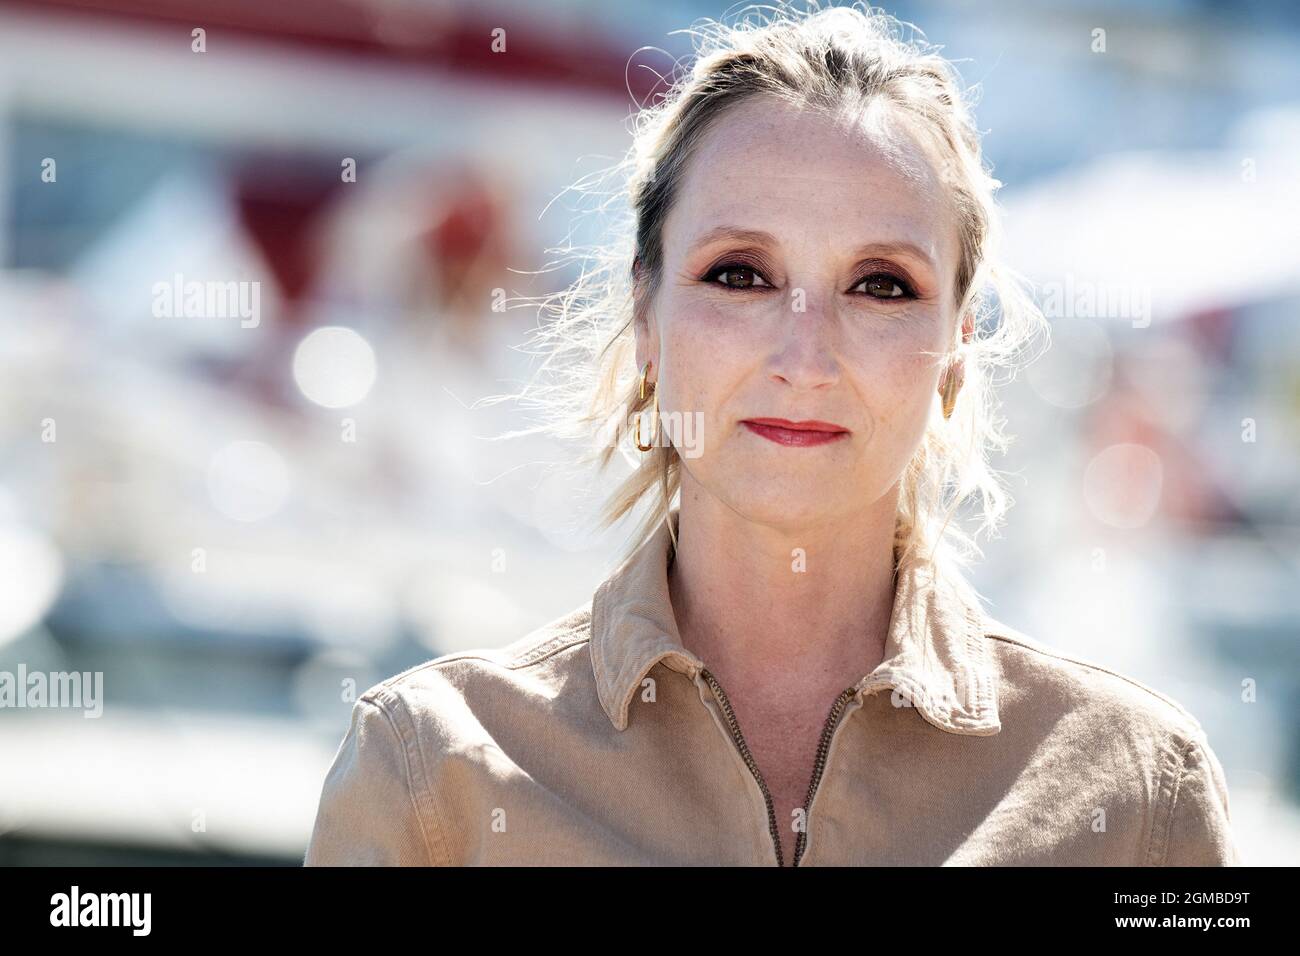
(600, 740)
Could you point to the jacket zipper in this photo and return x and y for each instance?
(823, 748)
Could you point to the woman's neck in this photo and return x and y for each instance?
(789, 611)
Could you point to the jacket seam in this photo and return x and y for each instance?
(1044, 652)
(513, 663)
(506, 665)
(1158, 854)
(378, 703)
(977, 664)
(545, 652)
(919, 699)
(596, 652)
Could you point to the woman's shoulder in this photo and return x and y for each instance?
(1127, 733)
(1035, 676)
(382, 801)
(540, 654)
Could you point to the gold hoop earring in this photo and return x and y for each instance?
(641, 391)
(952, 382)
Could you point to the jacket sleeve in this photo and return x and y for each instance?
(368, 814)
(1200, 830)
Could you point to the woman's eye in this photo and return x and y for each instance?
(885, 286)
(737, 277)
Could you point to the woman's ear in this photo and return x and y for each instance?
(644, 326)
(647, 344)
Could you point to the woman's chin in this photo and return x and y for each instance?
(804, 507)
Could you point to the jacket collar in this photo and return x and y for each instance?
(936, 658)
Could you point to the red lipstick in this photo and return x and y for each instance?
(797, 434)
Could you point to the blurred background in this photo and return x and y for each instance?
(238, 516)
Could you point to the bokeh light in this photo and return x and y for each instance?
(334, 367)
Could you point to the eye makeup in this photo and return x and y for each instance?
(889, 273)
(879, 272)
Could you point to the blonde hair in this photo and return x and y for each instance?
(835, 60)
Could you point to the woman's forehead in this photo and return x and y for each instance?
(846, 146)
(769, 166)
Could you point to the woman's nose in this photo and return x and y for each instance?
(805, 355)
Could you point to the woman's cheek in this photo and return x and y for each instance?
(695, 353)
(913, 351)
(913, 388)
(895, 377)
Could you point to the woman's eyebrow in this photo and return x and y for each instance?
(735, 234)
(759, 237)
(909, 249)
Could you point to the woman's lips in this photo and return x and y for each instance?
(798, 434)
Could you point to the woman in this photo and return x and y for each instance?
(802, 350)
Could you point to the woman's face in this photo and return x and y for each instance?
(808, 269)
